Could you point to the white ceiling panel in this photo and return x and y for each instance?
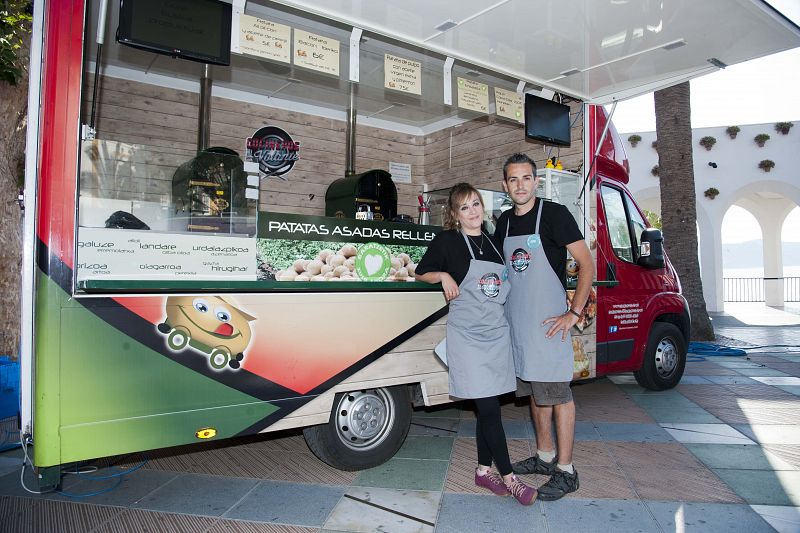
(614, 48)
(611, 46)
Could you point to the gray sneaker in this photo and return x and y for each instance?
(559, 484)
(535, 465)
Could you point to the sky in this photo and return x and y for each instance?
(757, 91)
(739, 225)
(735, 96)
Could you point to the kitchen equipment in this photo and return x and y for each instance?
(373, 188)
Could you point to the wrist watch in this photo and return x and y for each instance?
(577, 314)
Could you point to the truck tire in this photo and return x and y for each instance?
(664, 358)
(366, 428)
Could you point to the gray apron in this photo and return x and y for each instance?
(479, 358)
(536, 294)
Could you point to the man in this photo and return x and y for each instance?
(536, 236)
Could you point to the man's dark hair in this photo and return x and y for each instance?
(516, 159)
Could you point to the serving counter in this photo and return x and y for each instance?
(287, 252)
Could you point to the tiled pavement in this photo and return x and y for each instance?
(721, 452)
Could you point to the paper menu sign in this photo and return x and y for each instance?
(316, 52)
(401, 172)
(473, 95)
(263, 38)
(402, 74)
(508, 104)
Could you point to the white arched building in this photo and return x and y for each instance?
(732, 167)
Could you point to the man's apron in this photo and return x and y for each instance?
(479, 358)
(536, 294)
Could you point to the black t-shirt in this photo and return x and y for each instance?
(448, 253)
(557, 229)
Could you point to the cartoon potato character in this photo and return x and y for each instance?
(572, 268)
(210, 325)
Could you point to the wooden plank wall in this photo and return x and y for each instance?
(162, 123)
(475, 151)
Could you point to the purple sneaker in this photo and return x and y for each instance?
(492, 481)
(523, 493)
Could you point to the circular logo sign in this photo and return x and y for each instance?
(520, 259)
(273, 149)
(373, 262)
(534, 241)
(490, 284)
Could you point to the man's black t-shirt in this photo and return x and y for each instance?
(448, 253)
(557, 229)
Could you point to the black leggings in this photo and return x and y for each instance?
(490, 436)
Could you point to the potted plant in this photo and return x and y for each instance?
(654, 144)
(654, 170)
(708, 142)
(733, 131)
(766, 165)
(711, 193)
(634, 140)
(761, 138)
(783, 127)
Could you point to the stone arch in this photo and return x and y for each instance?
(770, 202)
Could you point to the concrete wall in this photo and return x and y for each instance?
(770, 196)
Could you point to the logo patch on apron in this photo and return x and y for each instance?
(490, 284)
(520, 259)
(534, 241)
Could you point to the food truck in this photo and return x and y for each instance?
(219, 205)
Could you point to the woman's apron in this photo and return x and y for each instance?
(536, 294)
(478, 343)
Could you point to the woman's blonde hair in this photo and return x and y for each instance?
(458, 194)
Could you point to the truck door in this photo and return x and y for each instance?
(620, 313)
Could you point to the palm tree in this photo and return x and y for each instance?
(678, 209)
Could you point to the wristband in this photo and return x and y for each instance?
(574, 312)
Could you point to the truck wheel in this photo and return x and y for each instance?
(664, 358)
(366, 428)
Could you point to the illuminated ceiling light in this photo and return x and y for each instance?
(621, 37)
(613, 40)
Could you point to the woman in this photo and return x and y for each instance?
(469, 265)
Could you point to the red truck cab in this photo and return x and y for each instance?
(643, 322)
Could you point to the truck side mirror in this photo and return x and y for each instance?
(651, 249)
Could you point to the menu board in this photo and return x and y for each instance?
(508, 104)
(473, 95)
(402, 74)
(316, 52)
(118, 254)
(263, 38)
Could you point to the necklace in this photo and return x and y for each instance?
(479, 246)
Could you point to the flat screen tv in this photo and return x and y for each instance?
(199, 30)
(546, 121)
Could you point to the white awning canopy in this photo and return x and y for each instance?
(595, 50)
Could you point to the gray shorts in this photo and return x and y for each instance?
(545, 393)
